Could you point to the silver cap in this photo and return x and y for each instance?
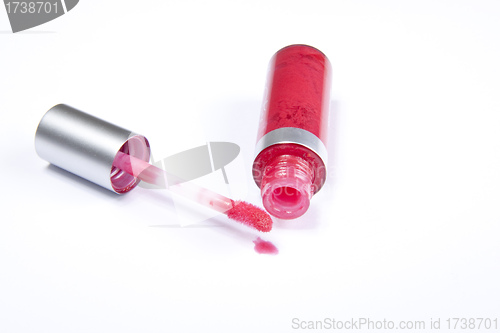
(86, 146)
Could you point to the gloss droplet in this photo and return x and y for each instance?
(265, 247)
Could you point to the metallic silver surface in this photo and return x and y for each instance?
(293, 135)
(85, 145)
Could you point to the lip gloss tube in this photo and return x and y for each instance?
(291, 155)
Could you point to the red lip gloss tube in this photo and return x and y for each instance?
(291, 156)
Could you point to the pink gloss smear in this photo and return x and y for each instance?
(297, 96)
(265, 247)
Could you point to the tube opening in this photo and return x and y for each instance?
(287, 187)
(286, 196)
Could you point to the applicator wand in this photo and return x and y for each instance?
(240, 211)
(117, 159)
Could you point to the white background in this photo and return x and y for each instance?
(406, 228)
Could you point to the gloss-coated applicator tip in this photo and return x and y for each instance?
(250, 215)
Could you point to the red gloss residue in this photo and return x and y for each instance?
(298, 89)
(124, 179)
(265, 247)
(250, 215)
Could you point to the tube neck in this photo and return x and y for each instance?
(287, 186)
